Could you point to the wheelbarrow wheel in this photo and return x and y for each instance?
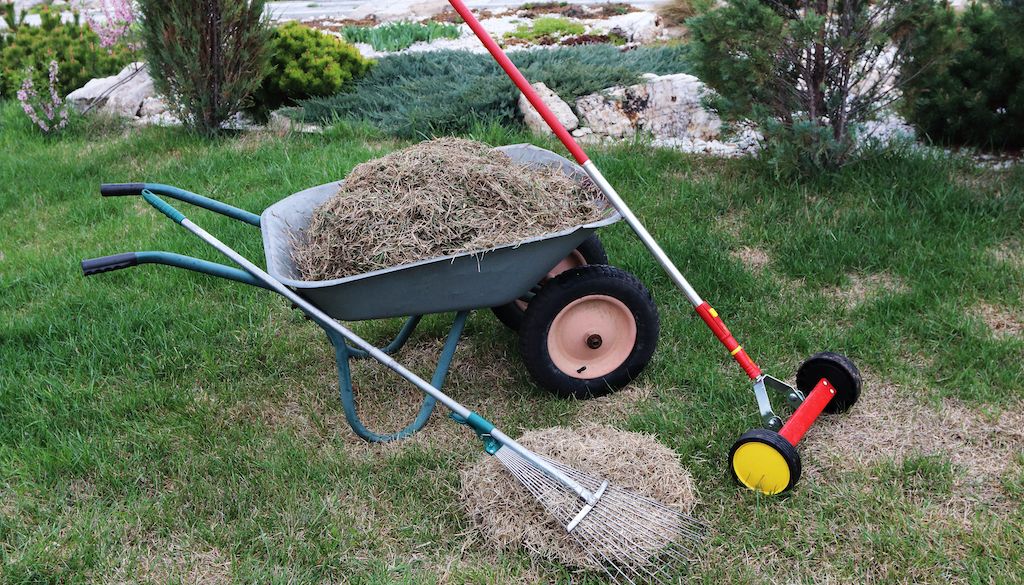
(764, 461)
(839, 370)
(589, 331)
(591, 251)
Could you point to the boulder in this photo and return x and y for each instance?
(122, 94)
(562, 111)
(635, 27)
(667, 106)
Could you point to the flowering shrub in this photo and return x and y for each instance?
(54, 111)
(116, 25)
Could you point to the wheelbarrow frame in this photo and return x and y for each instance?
(497, 276)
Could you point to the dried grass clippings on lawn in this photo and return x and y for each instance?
(437, 198)
(1004, 322)
(863, 287)
(508, 516)
(889, 423)
(755, 259)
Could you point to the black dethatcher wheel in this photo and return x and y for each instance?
(589, 331)
(591, 251)
(764, 461)
(839, 370)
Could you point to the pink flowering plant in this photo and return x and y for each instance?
(50, 115)
(116, 24)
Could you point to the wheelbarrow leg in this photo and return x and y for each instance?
(343, 354)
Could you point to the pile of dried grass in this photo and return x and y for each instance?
(507, 515)
(440, 197)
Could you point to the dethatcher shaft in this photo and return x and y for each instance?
(707, 313)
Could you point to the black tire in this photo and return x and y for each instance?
(759, 472)
(556, 295)
(511, 315)
(839, 370)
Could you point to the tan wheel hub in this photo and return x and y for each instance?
(591, 337)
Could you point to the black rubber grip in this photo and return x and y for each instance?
(108, 263)
(119, 189)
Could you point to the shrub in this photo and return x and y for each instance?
(413, 95)
(677, 12)
(73, 46)
(11, 17)
(207, 57)
(397, 36)
(810, 72)
(307, 63)
(48, 113)
(547, 26)
(973, 93)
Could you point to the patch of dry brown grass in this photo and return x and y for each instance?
(733, 223)
(864, 287)
(1004, 321)
(889, 422)
(617, 406)
(1010, 252)
(755, 259)
(172, 559)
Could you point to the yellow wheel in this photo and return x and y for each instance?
(764, 461)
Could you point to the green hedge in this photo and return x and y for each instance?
(412, 95)
(965, 85)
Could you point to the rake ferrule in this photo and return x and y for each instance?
(586, 509)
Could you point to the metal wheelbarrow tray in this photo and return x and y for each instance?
(487, 278)
(609, 324)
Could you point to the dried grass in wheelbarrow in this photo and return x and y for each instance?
(441, 197)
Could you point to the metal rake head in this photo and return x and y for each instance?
(632, 538)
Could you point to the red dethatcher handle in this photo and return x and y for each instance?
(717, 326)
(520, 81)
(808, 412)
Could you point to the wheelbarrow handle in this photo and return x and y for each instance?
(121, 189)
(107, 263)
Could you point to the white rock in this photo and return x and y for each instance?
(668, 106)
(635, 27)
(278, 122)
(152, 106)
(390, 12)
(562, 111)
(161, 119)
(122, 94)
(581, 132)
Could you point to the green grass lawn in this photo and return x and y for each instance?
(161, 426)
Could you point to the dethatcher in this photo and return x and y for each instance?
(763, 459)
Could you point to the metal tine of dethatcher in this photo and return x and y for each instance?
(634, 539)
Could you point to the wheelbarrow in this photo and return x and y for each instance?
(590, 329)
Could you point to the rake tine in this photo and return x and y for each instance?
(631, 538)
